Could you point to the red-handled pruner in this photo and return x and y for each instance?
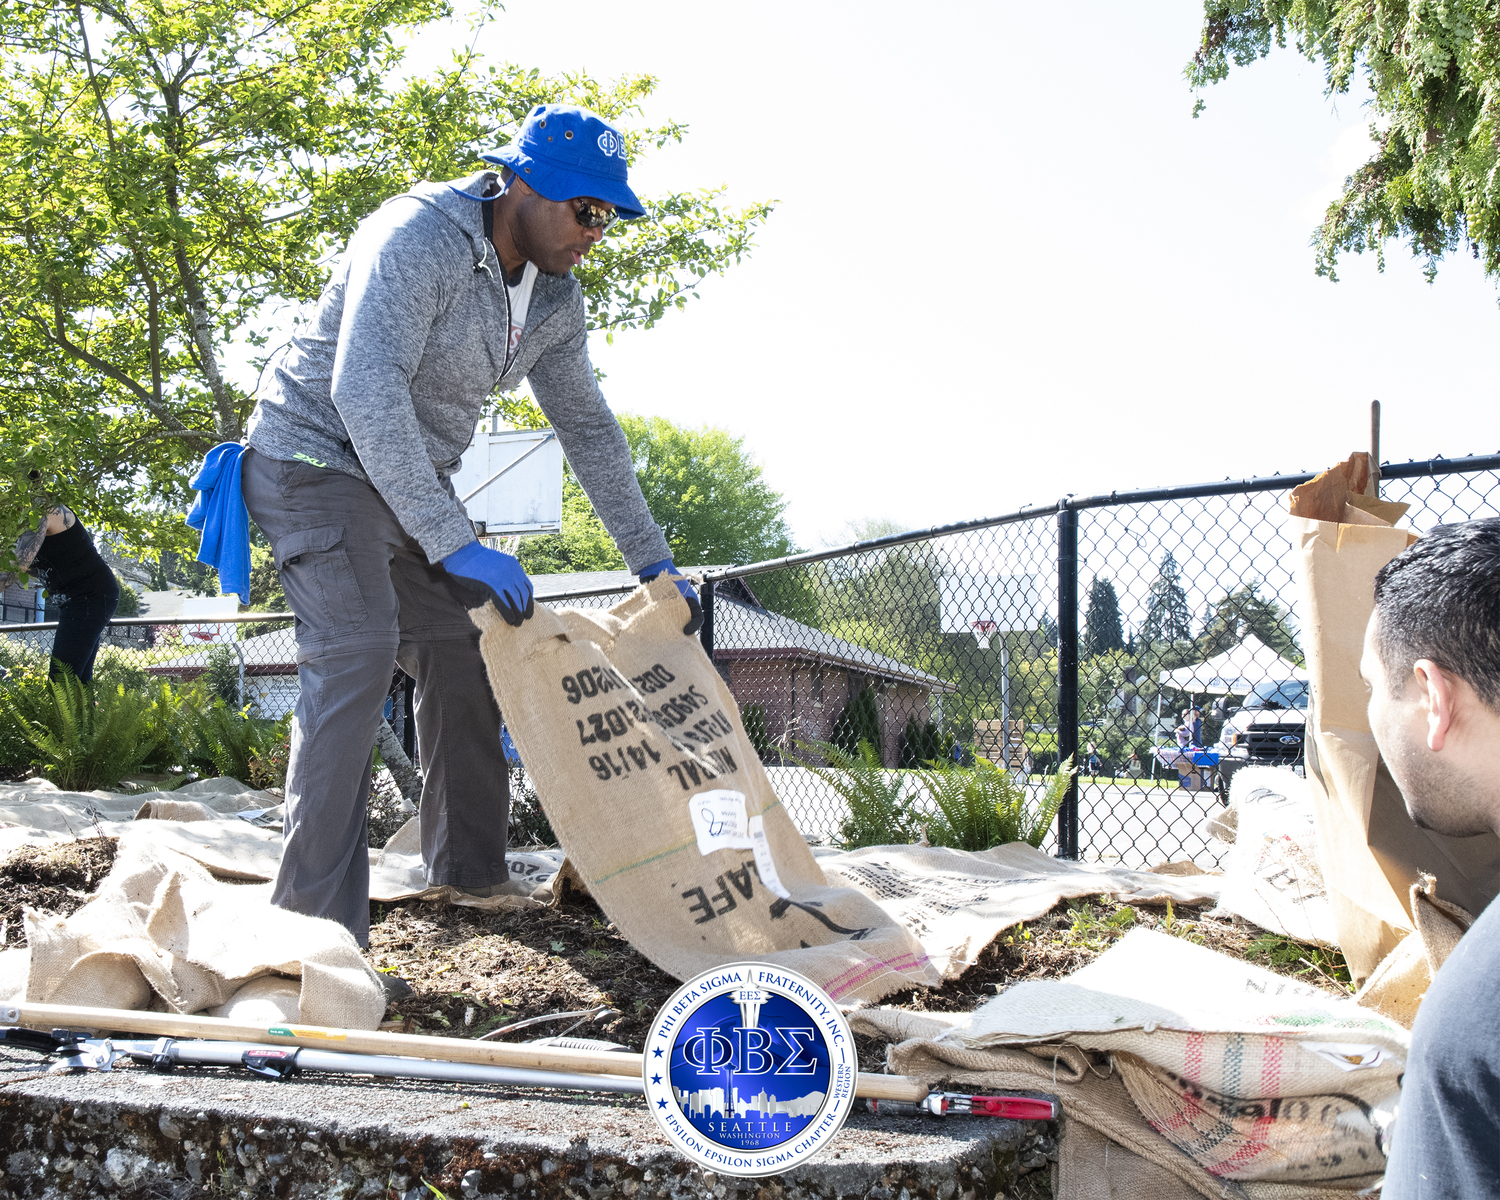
(956, 1104)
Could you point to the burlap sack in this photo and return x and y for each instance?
(1272, 877)
(1253, 1075)
(1396, 987)
(956, 902)
(166, 809)
(163, 931)
(35, 811)
(1370, 850)
(641, 761)
(1106, 1148)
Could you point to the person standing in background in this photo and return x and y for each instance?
(79, 583)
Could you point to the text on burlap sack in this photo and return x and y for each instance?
(617, 736)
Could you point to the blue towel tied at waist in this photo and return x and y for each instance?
(219, 512)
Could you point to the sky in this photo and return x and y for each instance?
(1006, 264)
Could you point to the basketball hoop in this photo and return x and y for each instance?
(983, 631)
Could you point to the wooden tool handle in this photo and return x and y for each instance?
(345, 1041)
(364, 1041)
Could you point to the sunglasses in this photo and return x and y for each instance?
(594, 216)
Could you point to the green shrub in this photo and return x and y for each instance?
(28, 696)
(85, 737)
(528, 819)
(754, 716)
(129, 604)
(223, 741)
(221, 677)
(879, 815)
(166, 726)
(20, 658)
(268, 763)
(858, 724)
(122, 668)
(923, 743)
(983, 806)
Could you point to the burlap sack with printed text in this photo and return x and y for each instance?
(1255, 1076)
(628, 731)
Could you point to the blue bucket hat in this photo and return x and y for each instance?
(563, 151)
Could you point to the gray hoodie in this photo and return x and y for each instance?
(409, 339)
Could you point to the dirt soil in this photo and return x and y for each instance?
(473, 972)
(54, 878)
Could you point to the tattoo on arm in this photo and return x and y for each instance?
(29, 545)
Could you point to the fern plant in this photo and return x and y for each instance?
(983, 805)
(86, 737)
(225, 741)
(879, 813)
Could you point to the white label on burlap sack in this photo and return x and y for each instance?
(763, 860)
(720, 821)
(1347, 1056)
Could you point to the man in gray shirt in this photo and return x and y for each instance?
(445, 293)
(1432, 663)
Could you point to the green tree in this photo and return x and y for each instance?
(1102, 630)
(130, 602)
(1245, 611)
(858, 724)
(176, 176)
(701, 485)
(1434, 72)
(1168, 617)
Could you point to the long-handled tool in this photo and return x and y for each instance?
(402, 1045)
(961, 1104)
(77, 1052)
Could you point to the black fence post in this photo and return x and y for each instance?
(706, 634)
(1067, 671)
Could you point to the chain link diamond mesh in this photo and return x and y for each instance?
(943, 647)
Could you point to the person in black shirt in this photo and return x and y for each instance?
(80, 585)
(1432, 663)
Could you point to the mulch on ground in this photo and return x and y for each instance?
(472, 972)
(55, 877)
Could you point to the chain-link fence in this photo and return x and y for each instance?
(1153, 638)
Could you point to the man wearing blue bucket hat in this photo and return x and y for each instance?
(445, 293)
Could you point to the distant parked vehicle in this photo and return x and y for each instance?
(1269, 729)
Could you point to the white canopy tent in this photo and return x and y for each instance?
(1236, 671)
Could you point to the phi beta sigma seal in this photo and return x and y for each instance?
(750, 1069)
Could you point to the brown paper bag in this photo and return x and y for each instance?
(1370, 850)
(642, 764)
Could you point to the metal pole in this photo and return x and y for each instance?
(1375, 445)
(1004, 702)
(706, 634)
(1067, 671)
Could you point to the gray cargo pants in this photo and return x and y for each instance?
(366, 598)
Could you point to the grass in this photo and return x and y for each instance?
(1313, 963)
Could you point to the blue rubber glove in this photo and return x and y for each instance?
(695, 606)
(501, 574)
